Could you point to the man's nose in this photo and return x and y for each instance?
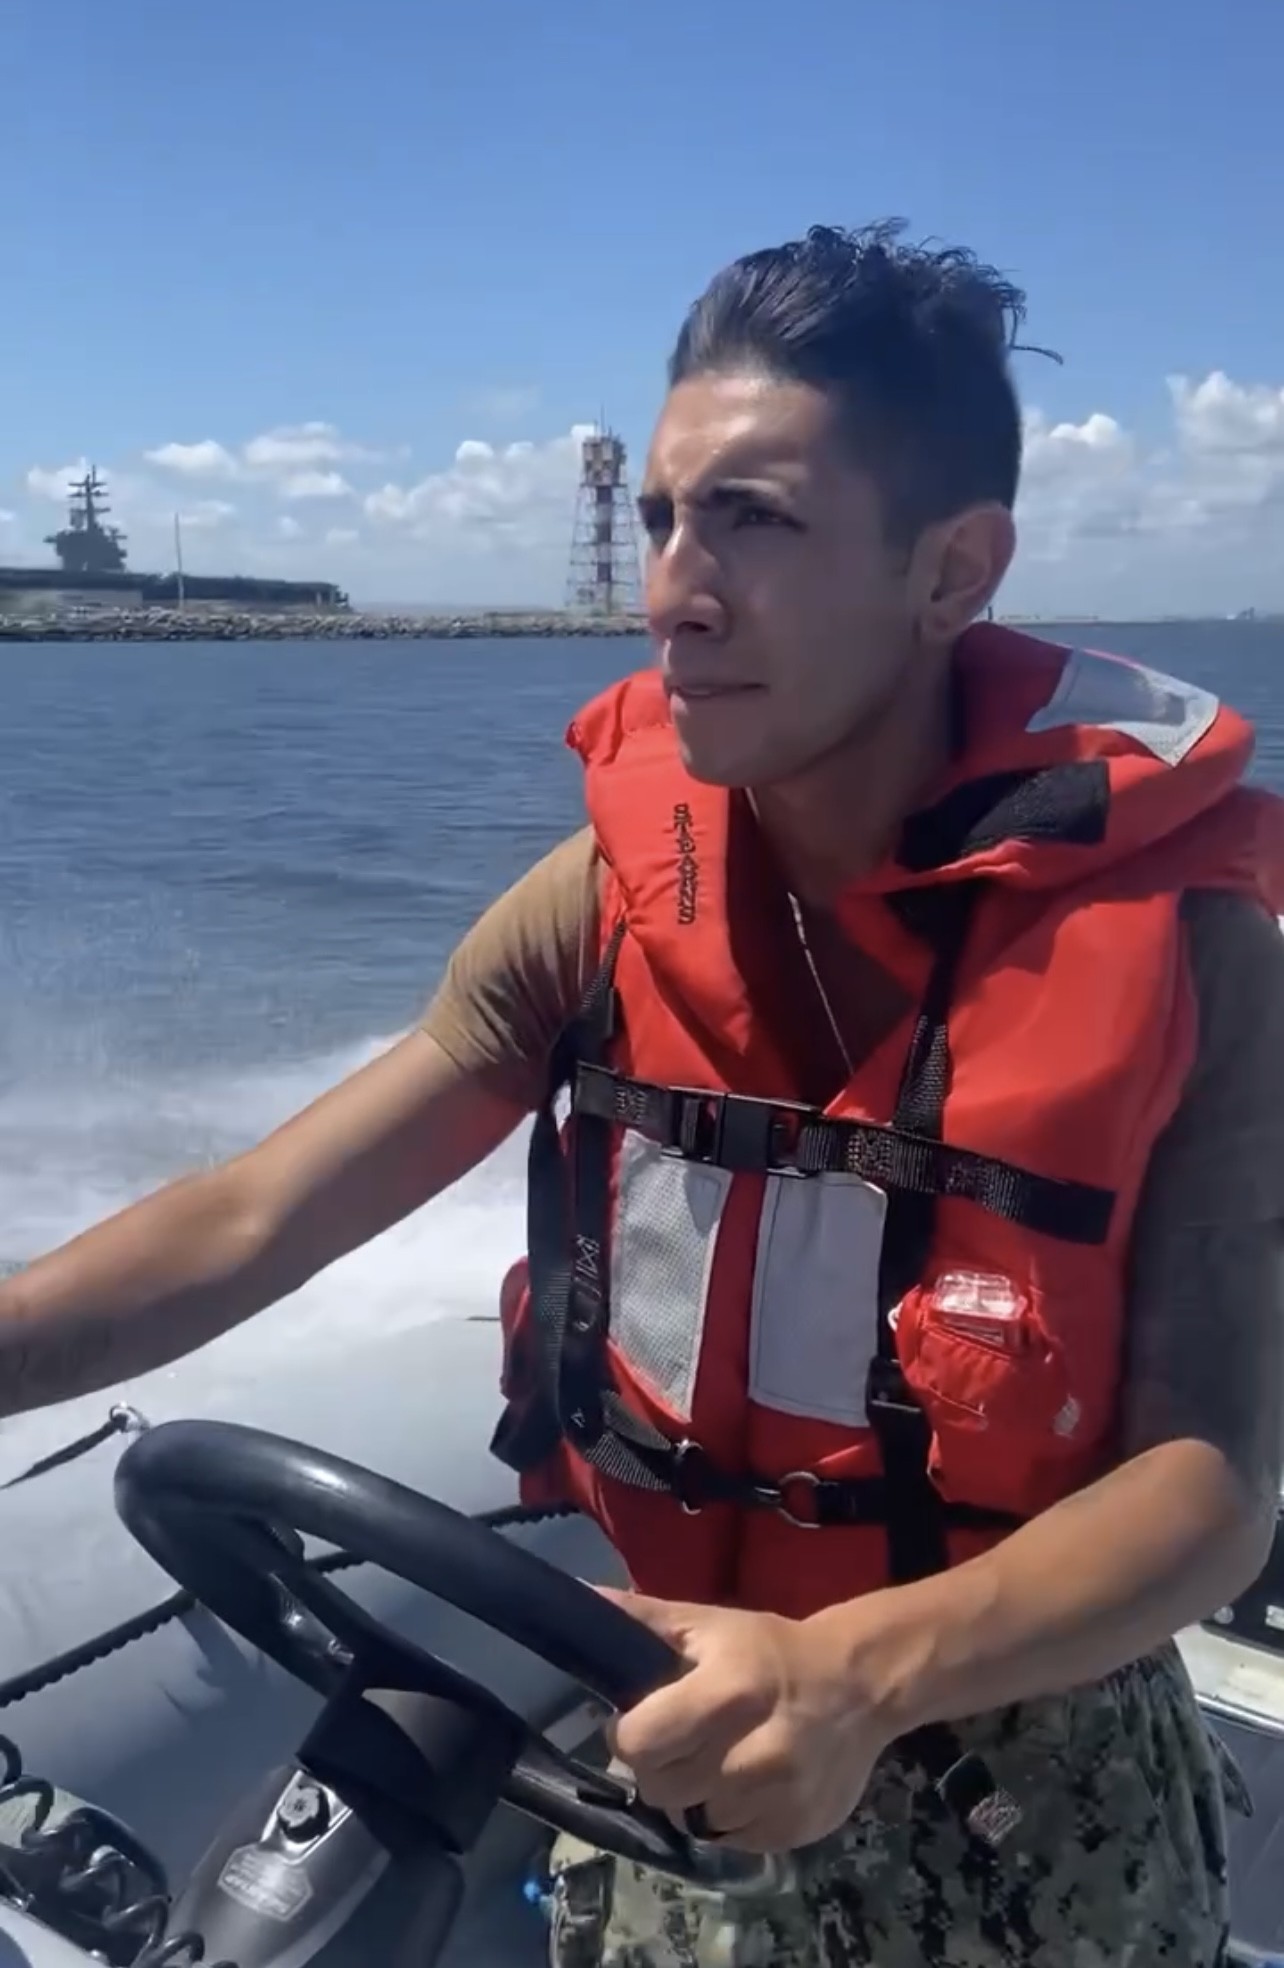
(683, 587)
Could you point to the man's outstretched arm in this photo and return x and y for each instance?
(186, 1264)
(175, 1270)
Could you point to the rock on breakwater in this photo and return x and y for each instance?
(228, 625)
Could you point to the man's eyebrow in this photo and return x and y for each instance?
(723, 495)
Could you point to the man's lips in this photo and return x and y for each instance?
(694, 690)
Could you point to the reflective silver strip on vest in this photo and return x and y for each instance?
(814, 1319)
(1162, 713)
(813, 1312)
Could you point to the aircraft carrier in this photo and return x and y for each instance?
(92, 574)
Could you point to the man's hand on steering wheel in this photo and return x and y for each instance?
(764, 1741)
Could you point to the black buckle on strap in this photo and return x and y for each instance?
(732, 1130)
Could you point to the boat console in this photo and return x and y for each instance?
(355, 1853)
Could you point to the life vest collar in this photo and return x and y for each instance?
(1071, 760)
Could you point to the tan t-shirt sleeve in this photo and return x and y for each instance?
(1205, 1352)
(521, 971)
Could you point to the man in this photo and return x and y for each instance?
(942, 1392)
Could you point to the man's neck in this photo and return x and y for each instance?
(830, 825)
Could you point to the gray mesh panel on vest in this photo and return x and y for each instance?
(666, 1226)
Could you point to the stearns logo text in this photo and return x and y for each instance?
(688, 867)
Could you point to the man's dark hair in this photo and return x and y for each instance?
(913, 341)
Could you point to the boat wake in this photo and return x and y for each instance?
(72, 1153)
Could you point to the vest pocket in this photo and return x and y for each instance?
(995, 1389)
(668, 1212)
(814, 1312)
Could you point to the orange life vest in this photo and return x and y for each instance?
(786, 1356)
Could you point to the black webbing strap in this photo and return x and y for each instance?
(916, 1520)
(735, 1131)
(594, 1419)
(567, 1225)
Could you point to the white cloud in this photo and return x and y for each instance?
(1184, 522)
(342, 536)
(298, 457)
(315, 485)
(1226, 455)
(55, 483)
(292, 447)
(1048, 447)
(1076, 480)
(7, 518)
(288, 527)
(516, 496)
(1218, 416)
(205, 459)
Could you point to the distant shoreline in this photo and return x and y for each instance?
(230, 625)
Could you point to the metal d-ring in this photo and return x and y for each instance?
(809, 1481)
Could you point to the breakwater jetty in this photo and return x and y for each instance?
(331, 625)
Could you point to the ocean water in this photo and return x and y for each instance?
(230, 873)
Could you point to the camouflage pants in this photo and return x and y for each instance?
(1120, 1858)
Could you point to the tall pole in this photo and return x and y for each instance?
(178, 554)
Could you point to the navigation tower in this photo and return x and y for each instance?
(604, 578)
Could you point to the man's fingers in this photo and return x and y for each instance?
(674, 1724)
(674, 1787)
(669, 1619)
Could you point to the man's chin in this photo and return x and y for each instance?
(711, 768)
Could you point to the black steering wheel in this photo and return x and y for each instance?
(224, 1510)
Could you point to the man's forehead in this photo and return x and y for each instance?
(743, 427)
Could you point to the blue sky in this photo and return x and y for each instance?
(356, 237)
